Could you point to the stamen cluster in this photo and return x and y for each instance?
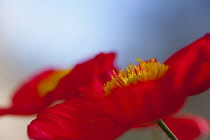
(144, 71)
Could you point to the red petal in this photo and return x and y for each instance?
(26, 99)
(76, 119)
(189, 68)
(188, 127)
(143, 103)
(87, 76)
(92, 73)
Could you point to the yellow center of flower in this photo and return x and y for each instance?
(50, 82)
(144, 71)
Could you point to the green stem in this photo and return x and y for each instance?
(165, 129)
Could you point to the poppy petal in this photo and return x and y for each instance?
(35, 94)
(48, 86)
(189, 67)
(188, 126)
(92, 73)
(142, 103)
(76, 119)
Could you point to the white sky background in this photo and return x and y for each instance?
(38, 34)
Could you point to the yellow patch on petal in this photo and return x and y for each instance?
(144, 71)
(51, 81)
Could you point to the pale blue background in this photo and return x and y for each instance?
(35, 34)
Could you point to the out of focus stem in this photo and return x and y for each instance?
(166, 130)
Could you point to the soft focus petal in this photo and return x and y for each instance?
(188, 127)
(76, 119)
(85, 77)
(90, 74)
(30, 98)
(189, 67)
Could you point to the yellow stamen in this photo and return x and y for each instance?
(144, 71)
(50, 82)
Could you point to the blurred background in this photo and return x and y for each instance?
(39, 34)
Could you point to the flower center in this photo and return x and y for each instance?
(51, 81)
(144, 71)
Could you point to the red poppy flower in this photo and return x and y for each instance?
(48, 86)
(139, 95)
(82, 118)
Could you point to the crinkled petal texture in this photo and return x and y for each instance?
(76, 119)
(27, 99)
(188, 127)
(88, 76)
(189, 67)
(188, 74)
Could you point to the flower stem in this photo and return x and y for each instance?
(166, 130)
